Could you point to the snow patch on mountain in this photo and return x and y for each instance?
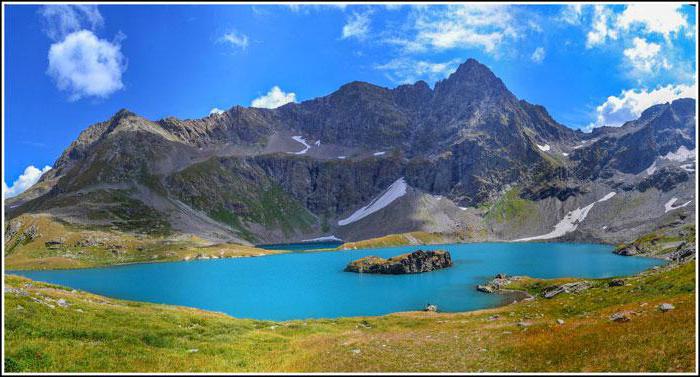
(651, 169)
(681, 154)
(301, 140)
(379, 153)
(544, 148)
(669, 205)
(395, 191)
(570, 222)
(688, 167)
(323, 239)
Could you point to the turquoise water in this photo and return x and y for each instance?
(304, 246)
(313, 284)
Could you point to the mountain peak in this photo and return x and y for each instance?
(473, 71)
(472, 63)
(122, 113)
(471, 81)
(354, 85)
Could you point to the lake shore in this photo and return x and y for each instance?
(68, 330)
(225, 284)
(38, 257)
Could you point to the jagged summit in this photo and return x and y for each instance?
(122, 113)
(471, 81)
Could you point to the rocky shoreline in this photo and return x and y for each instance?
(498, 286)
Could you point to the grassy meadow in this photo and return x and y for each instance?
(55, 329)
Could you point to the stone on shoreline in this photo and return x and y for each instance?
(485, 288)
(497, 283)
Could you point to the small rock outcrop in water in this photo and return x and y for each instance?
(411, 263)
(500, 284)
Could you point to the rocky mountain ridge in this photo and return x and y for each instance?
(476, 161)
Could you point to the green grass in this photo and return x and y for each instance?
(661, 241)
(511, 208)
(116, 208)
(115, 247)
(422, 238)
(99, 334)
(234, 193)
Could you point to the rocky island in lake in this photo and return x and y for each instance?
(410, 263)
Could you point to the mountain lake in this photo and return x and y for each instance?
(308, 284)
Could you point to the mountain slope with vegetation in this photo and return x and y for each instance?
(478, 163)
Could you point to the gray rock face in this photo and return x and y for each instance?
(237, 175)
(485, 288)
(574, 287)
(633, 147)
(12, 228)
(32, 232)
(664, 180)
(501, 281)
(684, 252)
(415, 262)
(624, 316)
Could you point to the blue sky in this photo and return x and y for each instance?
(67, 67)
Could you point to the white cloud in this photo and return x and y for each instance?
(306, 8)
(391, 6)
(630, 104)
(408, 71)
(61, 20)
(538, 55)
(643, 57)
(484, 26)
(85, 65)
(274, 99)
(572, 14)
(665, 19)
(601, 28)
(235, 39)
(216, 110)
(634, 32)
(357, 26)
(661, 18)
(30, 176)
(535, 26)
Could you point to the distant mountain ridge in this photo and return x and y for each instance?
(478, 163)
